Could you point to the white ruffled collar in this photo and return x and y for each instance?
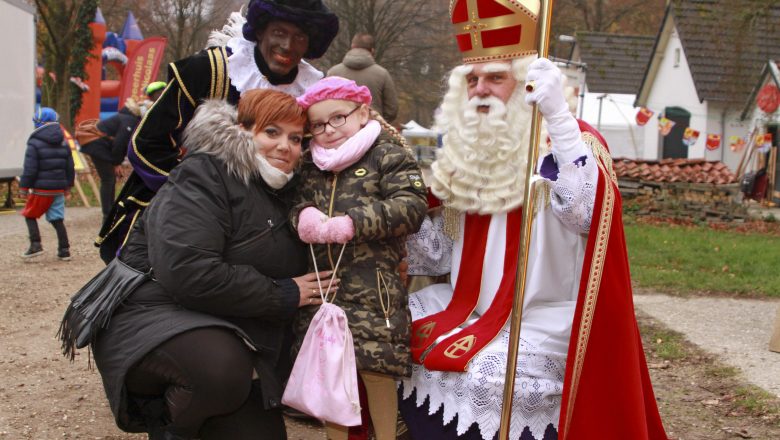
(245, 75)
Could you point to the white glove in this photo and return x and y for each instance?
(564, 131)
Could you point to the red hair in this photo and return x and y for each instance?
(260, 107)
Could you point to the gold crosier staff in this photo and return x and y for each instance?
(543, 37)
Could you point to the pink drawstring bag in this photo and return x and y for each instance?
(323, 382)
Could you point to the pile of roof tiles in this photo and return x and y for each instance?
(674, 170)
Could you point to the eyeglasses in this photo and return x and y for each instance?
(334, 121)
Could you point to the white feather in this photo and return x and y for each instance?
(231, 29)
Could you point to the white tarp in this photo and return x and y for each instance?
(413, 129)
(617, 122)
(17, 83)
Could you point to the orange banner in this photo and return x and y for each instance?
(141, 69)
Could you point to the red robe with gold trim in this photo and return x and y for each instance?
(607, 392)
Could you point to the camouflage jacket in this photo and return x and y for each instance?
(384, 195)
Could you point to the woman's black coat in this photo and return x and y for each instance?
(222, 254)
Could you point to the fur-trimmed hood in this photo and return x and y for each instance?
(214, 130)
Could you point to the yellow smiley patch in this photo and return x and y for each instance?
(360, 172)
(417, 181)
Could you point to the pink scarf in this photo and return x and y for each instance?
(337, 159)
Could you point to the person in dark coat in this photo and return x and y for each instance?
(108, 152)
(179, 356)
(264, 50)
(359, 65)
(47, 178)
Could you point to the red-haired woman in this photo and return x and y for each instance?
(198, 351)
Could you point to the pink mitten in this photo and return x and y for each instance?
(339, 229)
(311, 225)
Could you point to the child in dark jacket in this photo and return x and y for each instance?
(48, 175)
(361, 187)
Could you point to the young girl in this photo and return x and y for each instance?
(361, 187)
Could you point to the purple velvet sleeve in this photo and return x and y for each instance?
(152, 179)
(549, 169)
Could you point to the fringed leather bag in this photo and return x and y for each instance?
(91, 307)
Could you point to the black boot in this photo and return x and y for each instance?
(35, 248)
(161, 433)
(63, 246)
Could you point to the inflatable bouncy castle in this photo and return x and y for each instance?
(134, 59)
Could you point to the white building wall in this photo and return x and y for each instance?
(726, 123)
(673, 87)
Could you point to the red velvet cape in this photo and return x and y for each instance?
(607, 394)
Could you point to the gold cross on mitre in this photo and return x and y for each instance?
(475, 27)
(495, 29)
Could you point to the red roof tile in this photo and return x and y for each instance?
(674, 170)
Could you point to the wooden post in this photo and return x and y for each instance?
(771, 171)
(88, 166)
(83, 196)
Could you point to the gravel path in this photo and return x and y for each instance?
(43, 396)
(735, 330)
(11, 223)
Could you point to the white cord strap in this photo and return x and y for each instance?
(324, 296)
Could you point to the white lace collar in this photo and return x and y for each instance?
(245, 75)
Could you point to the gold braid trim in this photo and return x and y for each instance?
(451, 222)
(600, 152)
(138, 202)
(213, 83)
(141, 124)
(542, 195)
(113, 228)
(130, 228)
(181, 85)
(221, 87)
(181, 120)
(594, 280)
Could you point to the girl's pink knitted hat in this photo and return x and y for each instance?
(334, 87)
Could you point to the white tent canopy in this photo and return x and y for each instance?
(616, 121)
(413, 129)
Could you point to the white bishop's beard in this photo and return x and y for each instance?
(482, 165)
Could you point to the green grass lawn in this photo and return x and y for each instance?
(684, 259)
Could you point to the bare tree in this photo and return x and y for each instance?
(413, 42)
(64, 40)
(640, 17)
(186, 23)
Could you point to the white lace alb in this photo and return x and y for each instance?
(573, 194)
(429, 251)
(476, 395)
